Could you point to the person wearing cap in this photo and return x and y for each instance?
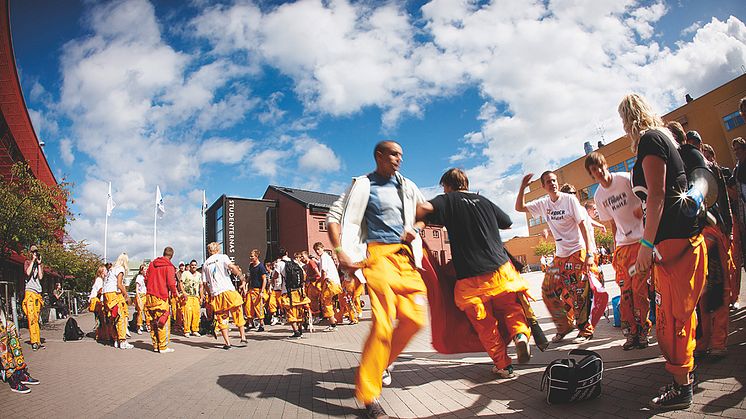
(32, 301)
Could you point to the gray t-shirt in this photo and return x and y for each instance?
(384, 214)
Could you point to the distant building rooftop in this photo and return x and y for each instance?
(309, 199)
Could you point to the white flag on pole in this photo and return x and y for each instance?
(110, 204)
(204, 203)
(159, 202)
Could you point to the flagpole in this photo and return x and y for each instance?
(155, 222)
(204, 224)
(106, 222)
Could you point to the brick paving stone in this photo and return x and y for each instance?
(314, 377)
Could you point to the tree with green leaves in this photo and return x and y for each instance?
(73, 261)
(31, 211)
(544, 248)
(604, 239)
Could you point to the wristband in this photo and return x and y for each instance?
(416, 229)
(338, 249)
(647, 244)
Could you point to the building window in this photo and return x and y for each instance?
(219, 225)
(618, 168)
(436, 234)
(322, 225)
(422, 233)
(733, 120)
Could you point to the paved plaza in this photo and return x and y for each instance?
(314, 377)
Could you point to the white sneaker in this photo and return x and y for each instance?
(167, 350)
(386, 377)
(187, 334)
(196, 334)
(139, 331)
(522, 348)
(116, 344)
(274, 321)
(330, 329)
(125, 345)
(128, 334)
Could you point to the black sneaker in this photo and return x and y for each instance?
(19, 387)
(642, 342)
(295, 335)
(36, 346)
(227, 347)
(27, 379)
(674, 397)
(631, 343)
(260, 329)
(375, 411)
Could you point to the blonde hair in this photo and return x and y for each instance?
(123, 260)
(213, 248)
(101, 272)
(637, 117)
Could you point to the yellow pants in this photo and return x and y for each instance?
(295, 306)
(356, 295)
(396, 291)
(328, 293)
(32, 303)
(155, 309)
(116, 311)
(191, 314)
(346, 302)
(679, 281)
(139, 309)
(491, 299)
(228, 304)
(254, 304)
(313, 291)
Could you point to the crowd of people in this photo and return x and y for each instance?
(668, 244)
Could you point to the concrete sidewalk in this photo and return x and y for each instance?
(277, 377)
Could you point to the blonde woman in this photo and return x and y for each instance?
(659, 180)
(140, 291)
(116, 300)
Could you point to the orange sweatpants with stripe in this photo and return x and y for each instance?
(396, 291)
(346, 302)
(713, 306)
(679, 281)
(634, 304)
(491, 299)
(565, 291)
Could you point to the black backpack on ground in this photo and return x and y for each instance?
(293, 276)
(567, 380)
(72, 331)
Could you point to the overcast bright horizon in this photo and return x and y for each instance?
(232, 96)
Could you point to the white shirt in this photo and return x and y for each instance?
(617, 202)
(98, 283)
(327, 266)
(278, 281)
(216, 274)
(591, 234)
(140, 284)
(110, 282)
(563, 218)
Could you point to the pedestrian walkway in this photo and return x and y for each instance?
(277, 377)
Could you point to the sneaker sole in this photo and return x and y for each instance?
(27, 391)
(27, 383)
(523, 351)
(679, 406)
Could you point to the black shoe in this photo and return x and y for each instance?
(295, 335)
(375, 411)
(27, 379)
(642, 342)
(631, 343)
(674, 397)
(260, 329)
(227, 347)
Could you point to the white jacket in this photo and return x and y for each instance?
(349, 213)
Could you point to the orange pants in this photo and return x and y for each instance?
(254, 304)
(713, 306)
(396, 291)
(313, 292)
(296, 306)
(634, 305)
(329, 291)
(357, 295)
(225, 305)
(275, 301)
(737, 255)
(118, 316)
(679, 281)
(566, 294)
(490, 299)
(346, 305)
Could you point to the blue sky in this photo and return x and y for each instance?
(232, 96)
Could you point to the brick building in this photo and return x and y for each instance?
(714, 115)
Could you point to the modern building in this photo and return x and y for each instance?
(714, 115)
(18, 143)
(285, 217)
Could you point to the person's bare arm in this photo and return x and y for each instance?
(586, 240)
(520, 200)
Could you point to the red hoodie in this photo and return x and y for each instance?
(160, 278)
